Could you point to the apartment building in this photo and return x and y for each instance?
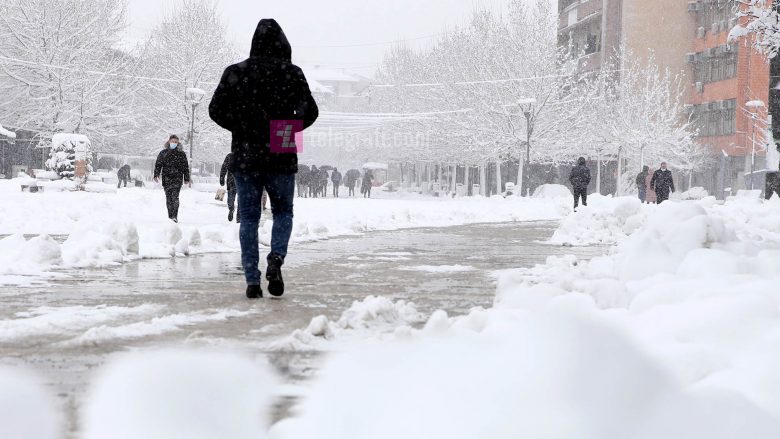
(728, 84)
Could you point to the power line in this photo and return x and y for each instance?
(378, 43)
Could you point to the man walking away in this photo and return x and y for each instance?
(263, 88)
(225, 176)
(335, 177)
(300, 181)
(662, 183)
(174, 169)
(641, 183)
(580, 179)
(314, 179)
(123, 175)
(323, 183)
(368, 181)
(352, 177)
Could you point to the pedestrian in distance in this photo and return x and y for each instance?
(226, 180)
(662, 183)
(265, 87)
(174, 169)
(641, 183)
(123, 175)
(352, 176)
(335, 178)
(301, 179)
(580, 179)
(650, 195)
(314, 180)
(368, 181)
(323, 183)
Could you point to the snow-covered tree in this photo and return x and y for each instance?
(60, 69)
(760, 18)
(63, 154)
(188, 50)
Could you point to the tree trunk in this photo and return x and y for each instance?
(619, 172)
(499, 187)
(598, 173)
(520, 172)
(482, 180)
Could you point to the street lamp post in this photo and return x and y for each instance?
(527, 106)
(753, 105)
(194, 98)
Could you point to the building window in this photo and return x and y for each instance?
(716, 118)
(587, 38)
(566, 3)
(715, 15)
(717, 64)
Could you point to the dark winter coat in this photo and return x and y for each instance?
(662, 182)
(267, 86)
(352, 177)
(124, 173)
(580, 176)
(368, 179)
(641, 179)
(225, 176)
(336, 178)
(172, 166)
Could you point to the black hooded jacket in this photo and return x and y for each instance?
(580, 175)
(267, 86)
(225, 176)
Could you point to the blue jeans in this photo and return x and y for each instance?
(642, 193)
(281, 190)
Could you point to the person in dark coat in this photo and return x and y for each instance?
(351, 179)
(123, 175)
(263, 88)
(301, 180)
(368, 179)
(580, 179)
(335, 177)
(226, 177)
(314, 179)
(662, 183)
(641, 183)
(323, 183)
(173, 167)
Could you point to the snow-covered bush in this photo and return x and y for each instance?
(64, 151)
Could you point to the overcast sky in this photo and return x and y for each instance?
(313, 25)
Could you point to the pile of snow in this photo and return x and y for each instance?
(605, 220)
(552, 191)
(673, 335)
(171, 394)
(375, 315)
(26, 408)
(694, 193)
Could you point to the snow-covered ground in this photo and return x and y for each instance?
(108, 227)
(674, 334)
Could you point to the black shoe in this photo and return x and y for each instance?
(254, 292)
(230, 215)
(274, 275)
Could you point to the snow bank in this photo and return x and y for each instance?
(105, 229)
(170, 394)
(555, 374)
(372, 315)
(605, 220)
(26, 408)
(552, 191)
(674, 334)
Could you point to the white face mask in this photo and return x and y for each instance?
(173, 145)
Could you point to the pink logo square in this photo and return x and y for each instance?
(287, 136)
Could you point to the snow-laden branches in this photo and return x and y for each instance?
(762, 19)
(60, 70)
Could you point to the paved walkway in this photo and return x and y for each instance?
(200, 300)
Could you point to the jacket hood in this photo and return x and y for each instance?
(270, 41)
(581, 161)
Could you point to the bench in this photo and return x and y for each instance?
(32, 188)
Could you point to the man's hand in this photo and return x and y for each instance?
(156, 179)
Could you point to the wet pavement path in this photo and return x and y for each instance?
(200, 300)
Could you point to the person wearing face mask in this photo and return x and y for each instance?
(662, 183)
(173, 167)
